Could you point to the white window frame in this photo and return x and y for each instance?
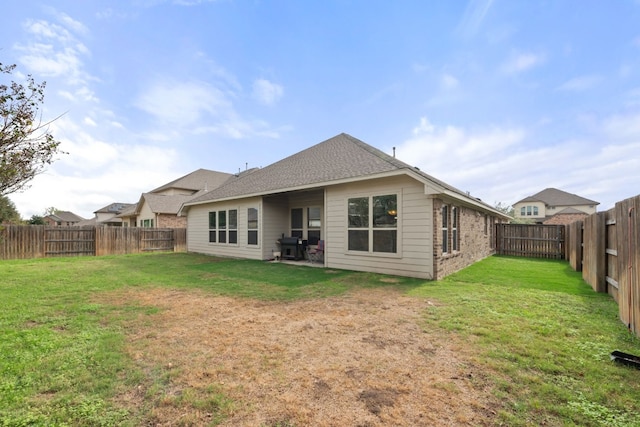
(217, 231)
(251, 229)
(444, 214)
(371, 228)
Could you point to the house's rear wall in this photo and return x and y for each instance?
(198, 231)
(415, 238)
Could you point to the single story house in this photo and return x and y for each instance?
(62, 219)
(372, 211)
(106, 216)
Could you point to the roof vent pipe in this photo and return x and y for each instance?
(394, 152)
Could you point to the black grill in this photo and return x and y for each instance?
(291, 248)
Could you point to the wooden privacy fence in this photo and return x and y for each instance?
(38, 241)
(531, 240)
(608, 254)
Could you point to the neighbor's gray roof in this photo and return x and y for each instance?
(555, 197)
(128, 211)
(67, 216)
(197, 180)
(570, 211)
(114, 208)
(339, 158)
(159, 203)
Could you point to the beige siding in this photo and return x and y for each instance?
(146, 213)
(198, 230)
(275, 223)
(415, 239)
(539, 205)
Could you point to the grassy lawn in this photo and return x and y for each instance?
(543, 337)
(546, 337)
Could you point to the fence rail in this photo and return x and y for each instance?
(39, 241)
(534, 241)
(608, 254)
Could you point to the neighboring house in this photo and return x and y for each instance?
(107, 216)
(159, 207)
(553, 206)
(62, 219)
(373, 212)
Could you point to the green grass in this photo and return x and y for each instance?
(545, 337)
(542, 337)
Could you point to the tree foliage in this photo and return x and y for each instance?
(51, 211)
(8, 212)
(26, 145)
(36, 220)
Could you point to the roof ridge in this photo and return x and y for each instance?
(394, 161)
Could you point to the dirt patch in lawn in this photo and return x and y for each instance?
(361, 359)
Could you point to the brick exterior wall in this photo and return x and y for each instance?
(476, 241)
(565, 219)
(171, 221)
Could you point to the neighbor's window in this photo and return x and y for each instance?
(523, 211)
(252, 226)
(147, 223)
(373, 224)
(535, 211)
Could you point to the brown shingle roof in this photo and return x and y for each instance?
(116, 208)
(555, 197)
(162, 204)
(67, 216)
(340, 158)
(197, 180)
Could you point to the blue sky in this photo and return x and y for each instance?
(499, 98)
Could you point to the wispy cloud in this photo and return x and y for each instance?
(449, 82)
(473, 17)
(266, 92)
(501, 164)
(103, 158)
(520, 62)
(183, 103)
(54, 51)
(579, 84)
